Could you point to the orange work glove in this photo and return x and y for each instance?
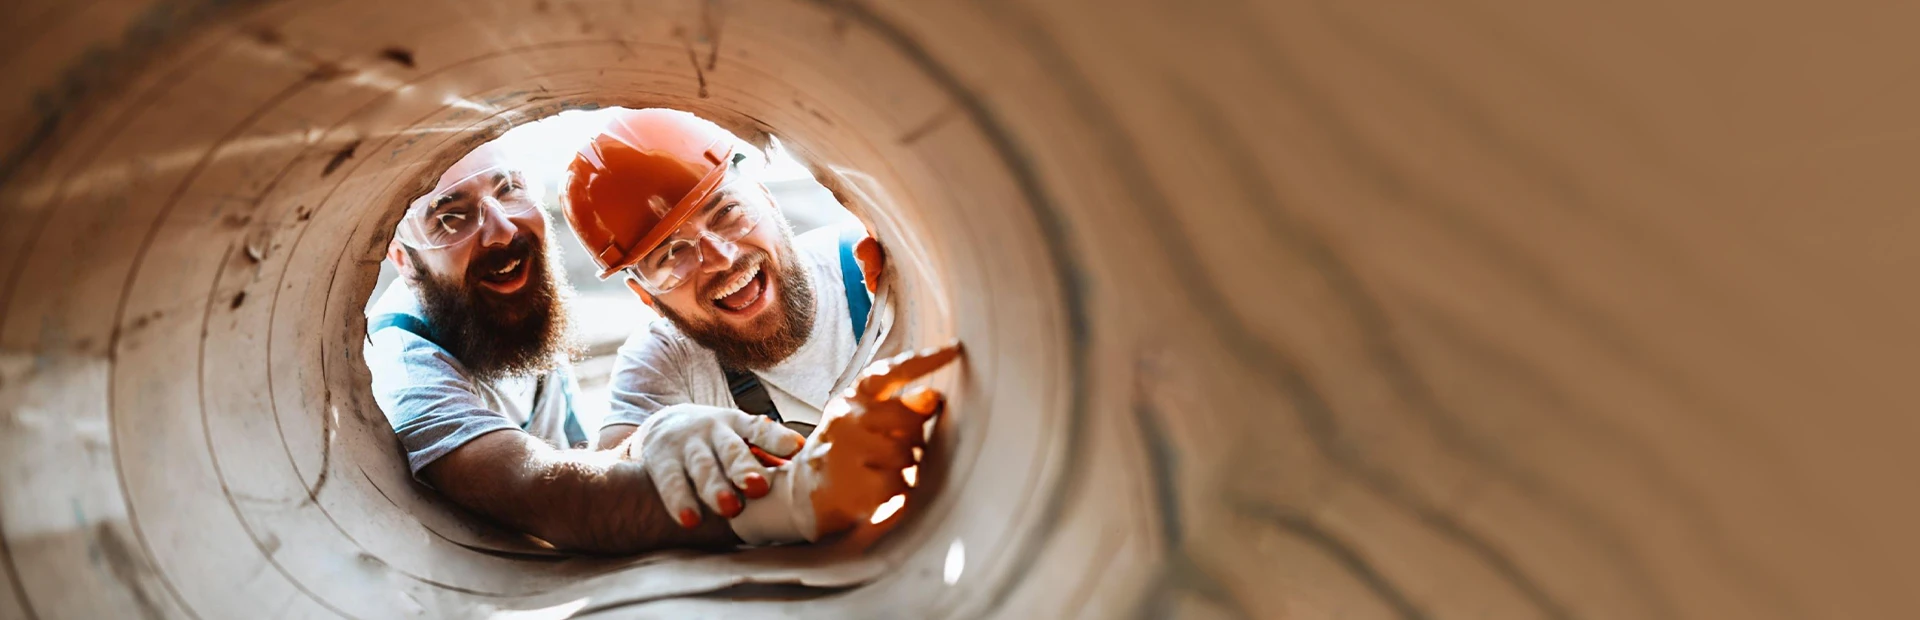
(854, 462)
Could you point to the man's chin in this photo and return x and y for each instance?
(500, 334)
(740, 344)
(764, 327)
(760, 326)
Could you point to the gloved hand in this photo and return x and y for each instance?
(873, 262)
(688, 447)
(853, 463)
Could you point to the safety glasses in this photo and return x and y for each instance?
(725, 220)
(450, 216)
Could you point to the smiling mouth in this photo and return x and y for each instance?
(508, 276)
(744, 292)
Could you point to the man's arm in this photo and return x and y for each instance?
(575, 499)
(578, 500)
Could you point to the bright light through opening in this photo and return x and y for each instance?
(887, 509)
(556, 612)
(956, 562)
(604, 313)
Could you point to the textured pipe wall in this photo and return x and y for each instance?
(1274, 309)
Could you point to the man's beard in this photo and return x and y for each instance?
(791, 323)
(493, 335)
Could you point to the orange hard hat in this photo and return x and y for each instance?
(641, 178)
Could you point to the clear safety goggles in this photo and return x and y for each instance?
(450, 216)
(725, 220)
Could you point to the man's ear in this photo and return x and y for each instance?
(634, 285)
(398, 255)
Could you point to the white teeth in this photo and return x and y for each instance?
(509, 267)
(738, 283)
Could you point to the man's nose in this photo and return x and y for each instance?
(717, 255)
(497, 229)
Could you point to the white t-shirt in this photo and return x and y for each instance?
(658, 366)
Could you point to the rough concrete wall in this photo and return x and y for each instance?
(1275, 309)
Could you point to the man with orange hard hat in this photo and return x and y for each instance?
(757, 329)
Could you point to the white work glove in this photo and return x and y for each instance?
(688, 447)
(853, 463)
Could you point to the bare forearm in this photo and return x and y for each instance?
(611, 508)
(578, 500)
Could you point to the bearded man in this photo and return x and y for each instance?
(759, 326)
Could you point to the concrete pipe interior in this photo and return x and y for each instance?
(1277, 310)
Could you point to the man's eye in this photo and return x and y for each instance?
(664, 257)
(450, 222)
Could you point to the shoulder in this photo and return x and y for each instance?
(656, 367)
(388, 343)
(398, 298)
(408, 350)
(822, 245)
(658, 338)
(660, 348)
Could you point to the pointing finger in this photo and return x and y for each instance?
(888, 376)
(892, 419)
(924, 400)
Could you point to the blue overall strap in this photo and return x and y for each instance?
(859, 302)
(406, 322)
(576, 436)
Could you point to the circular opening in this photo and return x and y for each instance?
(603, 333)
(924, 303)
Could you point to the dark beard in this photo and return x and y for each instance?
(793, 323)
(497, 336)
